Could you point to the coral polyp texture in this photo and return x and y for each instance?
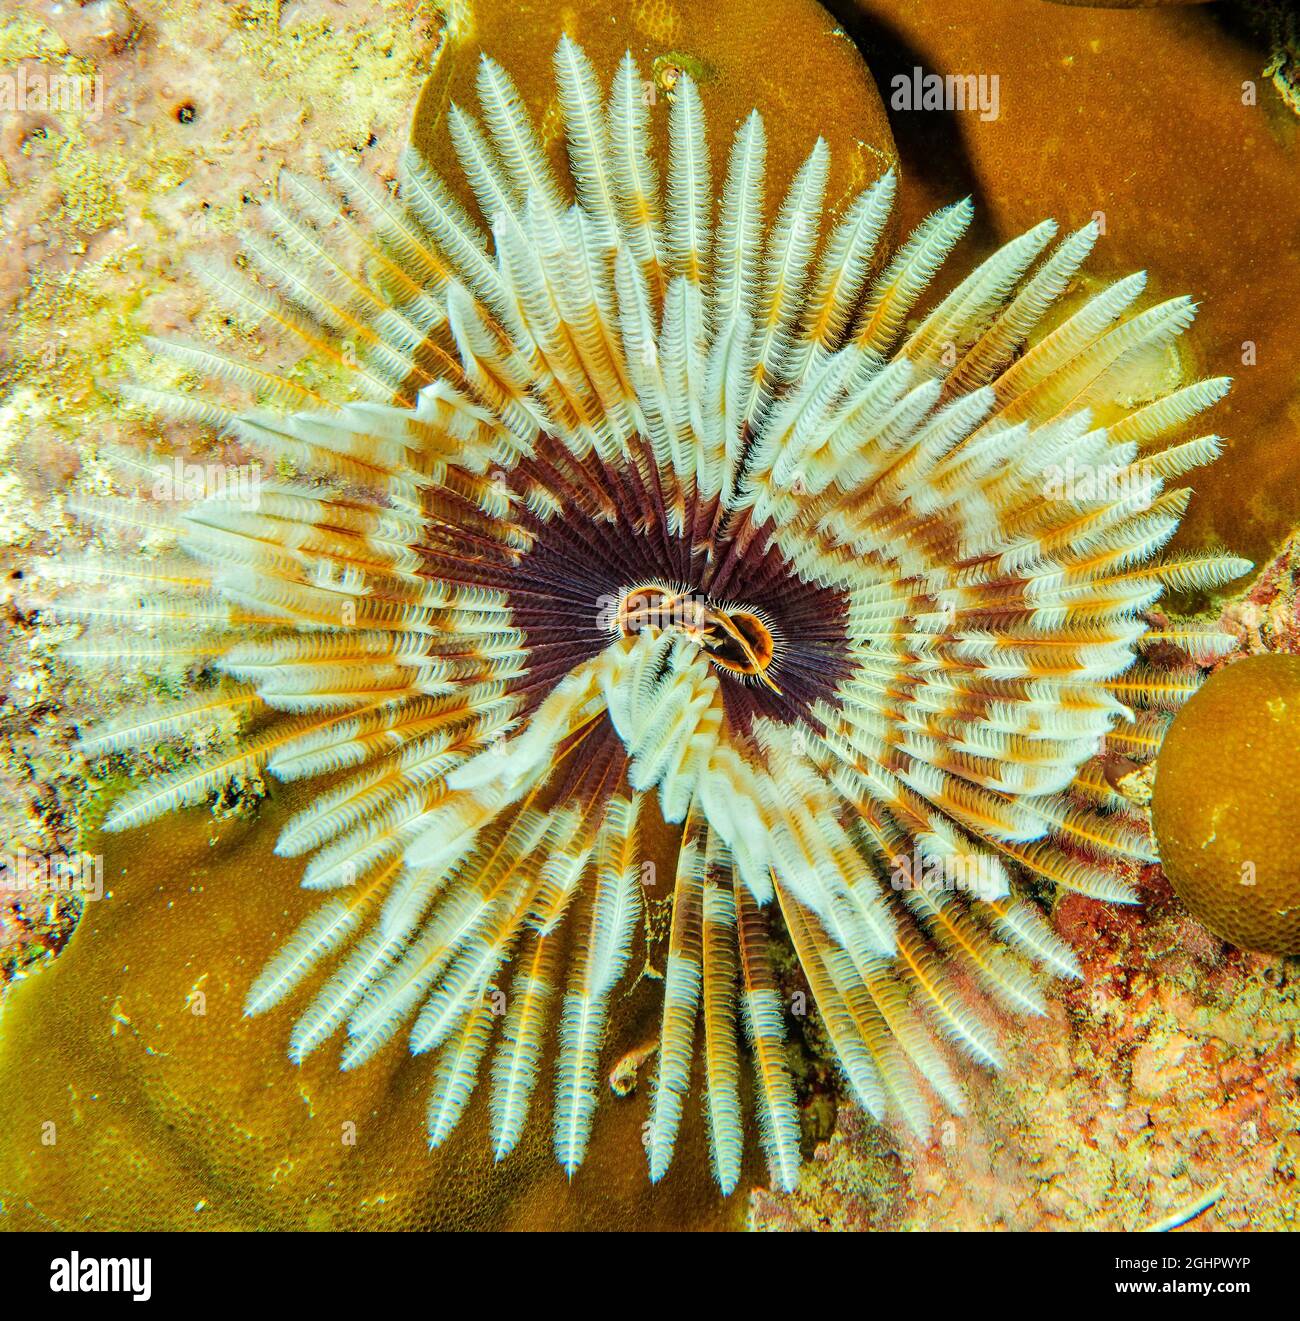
(640, 541)
(1226, 801)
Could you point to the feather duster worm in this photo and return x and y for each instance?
(643, 505)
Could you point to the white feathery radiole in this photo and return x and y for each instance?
(641, 528)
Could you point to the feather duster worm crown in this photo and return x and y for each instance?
(643, 508)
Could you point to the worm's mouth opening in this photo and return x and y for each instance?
(737, 639)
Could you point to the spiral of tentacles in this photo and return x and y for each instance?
(645, 507)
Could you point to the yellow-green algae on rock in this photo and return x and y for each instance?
(1226, 806)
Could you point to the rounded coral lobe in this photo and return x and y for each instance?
(1226, 801)
(638, 501)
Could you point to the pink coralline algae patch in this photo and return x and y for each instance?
(1267, 618)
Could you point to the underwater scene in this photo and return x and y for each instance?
(648, 615)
